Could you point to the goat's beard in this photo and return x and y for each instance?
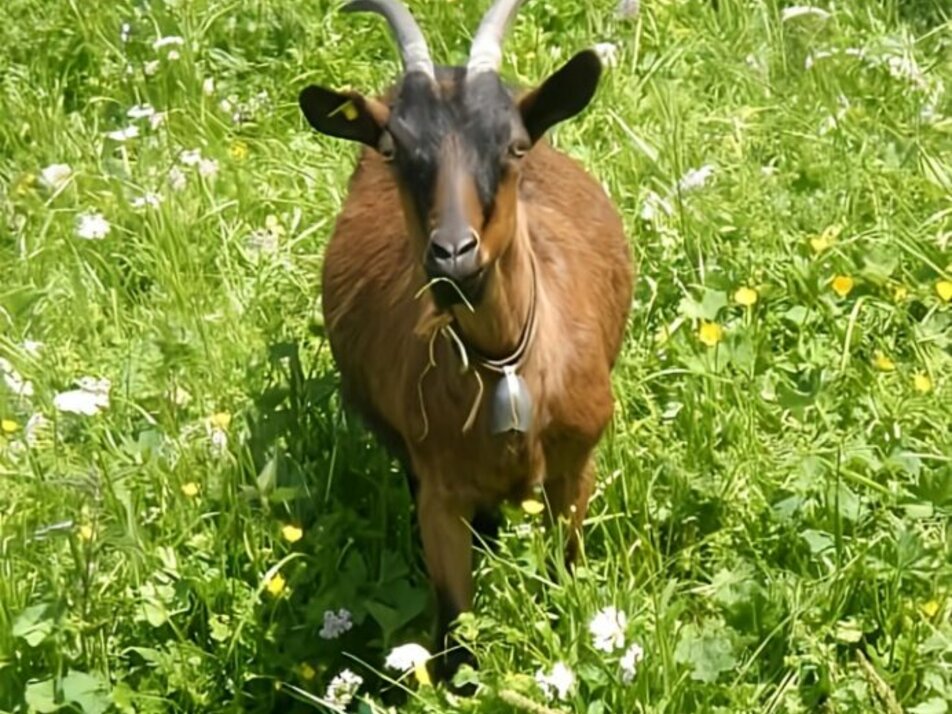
(447, 296)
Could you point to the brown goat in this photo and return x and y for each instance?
(475, 290)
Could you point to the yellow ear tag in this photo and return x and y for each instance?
(350, 111)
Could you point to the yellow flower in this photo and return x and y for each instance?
(422, 675)
(292, 534)
(900, 293)
(944, 289)
(746, 296)
(922, 383)
(930, 609)
(190, 489)
(825, 239)
(221, 420)
(276, 584)
(238, 150)
(842, 285)
(8, 426)
(307, 671)
(25, 184)
(710, 333)
(86, 532)
(883, 363)
(532, 507)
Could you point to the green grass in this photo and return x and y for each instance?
(774, 510)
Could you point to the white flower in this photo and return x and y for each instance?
(627, 8)
(906, 68)
(219, 441)
(406, 657)
(654, 206)
(629, 662)
(173, 55)
(92, 226)
(36, 429)
(177, 178)
(130, 132)
(150, 67)
(91, 397)
(19, 386)
(696, 178)
(340, 692)
(607, 52)
(208, 86)
(167, 41)
(33, 347)
(208, 167)
(335, 624)
(560, 681)
(141, 111)
(157, 120)
(149, 199)
(794, 11)
(55, 176)
(225, 105)
(125, 32)
(191, 157)
(608, 629)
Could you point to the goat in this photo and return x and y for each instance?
(462, 222)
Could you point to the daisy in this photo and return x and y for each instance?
(92, 226)
(558, 682)
(608, 629)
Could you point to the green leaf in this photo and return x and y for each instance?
(817, 540)
(41, 696)
(936, 705)
(32, 625)
(88, 692)
(711, 303)
(708, 651)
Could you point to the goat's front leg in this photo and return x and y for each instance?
(447, 549)
(567, 493)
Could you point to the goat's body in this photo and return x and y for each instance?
(373, 316)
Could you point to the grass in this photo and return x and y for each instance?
(774, 505)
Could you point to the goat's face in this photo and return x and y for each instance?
(455, 139)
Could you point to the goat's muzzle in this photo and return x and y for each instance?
(453, 253)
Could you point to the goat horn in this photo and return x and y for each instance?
(406, 32)
(486, 53)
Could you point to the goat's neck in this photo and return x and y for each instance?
(497, 324)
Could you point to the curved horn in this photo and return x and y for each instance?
(406, 31)
(486, 53)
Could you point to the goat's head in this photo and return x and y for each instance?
(454, 138)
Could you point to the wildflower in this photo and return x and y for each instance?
(150, 67)
(559, 681)
(190, 489)
(19, 386)
(36, 428)
(340, 692)
(151, 200)
(141, 111)
(745, 296)
(177, 178)
(407, 657)
(654, 206)
(696, 178)
(607, 53)
(191, 157)
(91, 397)
(92, 226)
(608, 629)
(794, 11)
(219, 441)
(125, 32)
(335, 624)
(55, 176)
(629, 662)
(276, 584)
(208, 86)
(86, 532)
(842, 285)
(930, 608)
(943, 289)
(628, 8)
(710, 333)
(306, 671)
(157, 120)
(292, 534)
(170, 41)
(208, 167)
(120, 135)
(900, 293)
(8, 426)
(238, 150)
(883, 363)
(922, 383)
(532, 507)
(173, 55)
(826, 238)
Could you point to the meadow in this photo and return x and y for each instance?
(189, 522)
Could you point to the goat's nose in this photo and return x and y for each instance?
(453, 255)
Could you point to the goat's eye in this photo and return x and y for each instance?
(518, 149)
(386, 146)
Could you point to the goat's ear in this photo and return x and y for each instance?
(561, 96)
(345, 115)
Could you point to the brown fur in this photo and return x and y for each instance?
(373, 271)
